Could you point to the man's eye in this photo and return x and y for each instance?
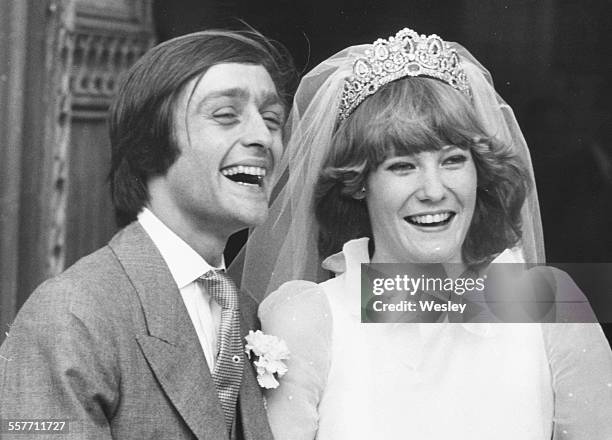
(273, 120)
(226, 116)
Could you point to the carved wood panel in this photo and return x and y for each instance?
(62, 61)
(99, 59)
(107, 38)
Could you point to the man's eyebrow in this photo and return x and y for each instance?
(234, 92)
(271, 98)
(268, 98)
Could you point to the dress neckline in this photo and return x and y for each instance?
(346, 265)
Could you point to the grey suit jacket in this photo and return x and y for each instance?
(109, 345)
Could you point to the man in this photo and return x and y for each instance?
(145, 337)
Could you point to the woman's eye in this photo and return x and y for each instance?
(401, 167)
(455, 159)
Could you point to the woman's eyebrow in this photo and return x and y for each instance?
(449, 147)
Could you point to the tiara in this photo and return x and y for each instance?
(406, 54)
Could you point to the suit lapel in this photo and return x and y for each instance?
(171, 348)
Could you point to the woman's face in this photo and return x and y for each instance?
(421, 205)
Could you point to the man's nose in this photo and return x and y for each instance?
(257, 133)
(431, 186)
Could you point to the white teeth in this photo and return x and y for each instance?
(430, 218)
(241, 169)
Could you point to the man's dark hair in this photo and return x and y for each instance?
(141, 118)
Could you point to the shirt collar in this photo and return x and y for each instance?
(185, 264)
(354, 252)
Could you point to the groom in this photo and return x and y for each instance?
(145, 337)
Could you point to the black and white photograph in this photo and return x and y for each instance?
(306, 220)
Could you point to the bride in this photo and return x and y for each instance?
(402, 151)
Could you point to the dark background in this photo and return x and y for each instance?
(60, 65)
(550, 60)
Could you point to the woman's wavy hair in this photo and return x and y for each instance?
(405, 117)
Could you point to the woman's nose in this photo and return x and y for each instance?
(431, 187)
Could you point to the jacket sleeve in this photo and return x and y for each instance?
(58, 363)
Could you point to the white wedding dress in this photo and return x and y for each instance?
(349, 381)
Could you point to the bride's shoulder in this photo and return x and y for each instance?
(293, 300)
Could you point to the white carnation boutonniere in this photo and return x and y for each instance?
(270, 352)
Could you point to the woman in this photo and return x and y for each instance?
(414, 158)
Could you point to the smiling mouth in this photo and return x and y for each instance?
(245, 175)
(431, 220)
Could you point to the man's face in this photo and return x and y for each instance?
(228, 127)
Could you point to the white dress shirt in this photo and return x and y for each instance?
(186, 266)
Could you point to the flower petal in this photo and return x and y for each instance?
(267, 381)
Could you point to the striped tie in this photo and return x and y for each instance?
(227, 373)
